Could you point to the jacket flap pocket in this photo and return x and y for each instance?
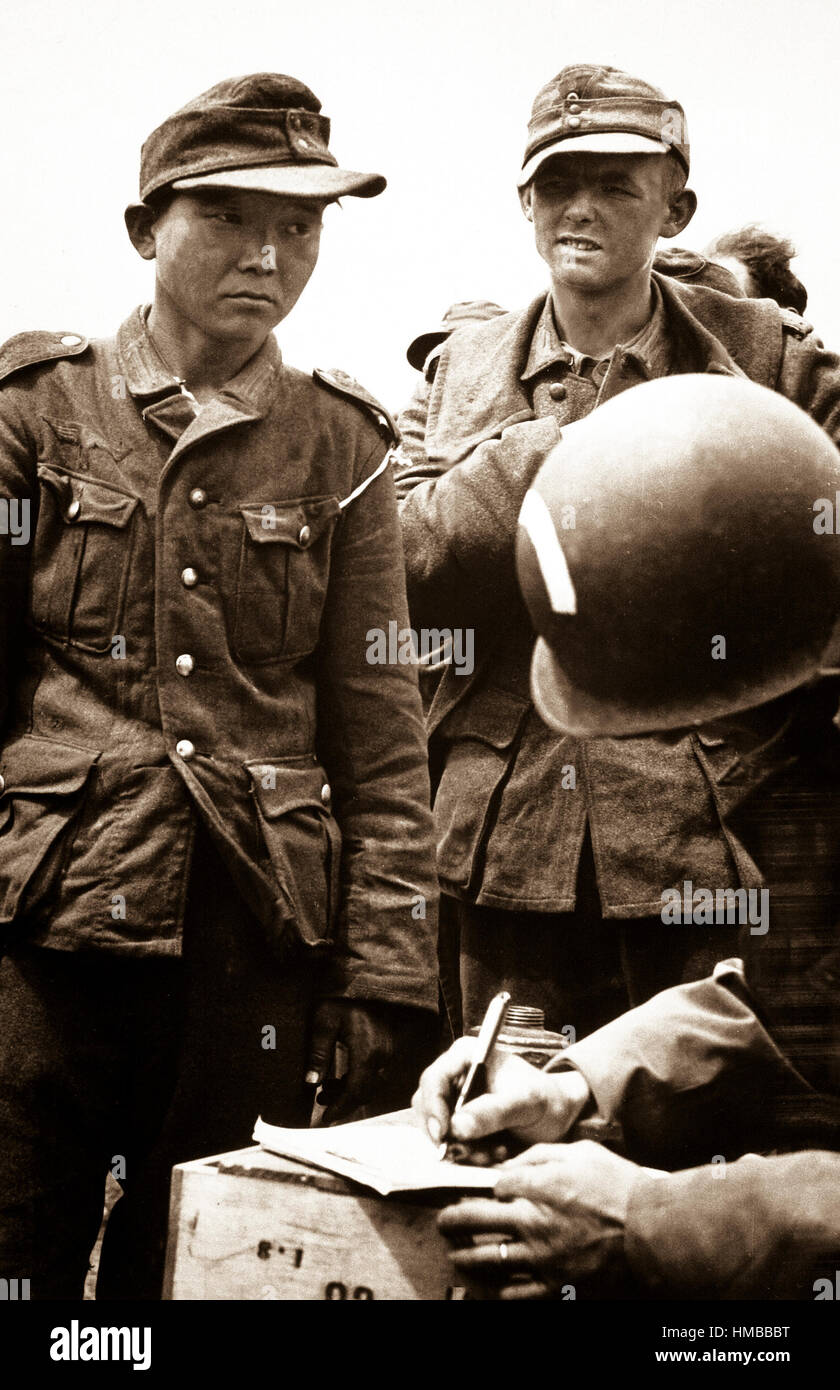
(283, 787)
(33, 766)
(299, 523)
(101, 504)
(82, 500)
(492, 716)
(302, 840)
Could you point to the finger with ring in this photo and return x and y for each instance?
(499, 1260)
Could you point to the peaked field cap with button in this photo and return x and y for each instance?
(601, 110)
(263, 132)
(466, 311)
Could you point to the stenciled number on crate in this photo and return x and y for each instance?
(335, 1289)
(294, 1254)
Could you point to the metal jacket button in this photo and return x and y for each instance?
(70, 340)
(557, 391)
(198, 497)
(185, 749)
(189, 577)
(304, 535)
(2, 784)
(73, 510)
(326, 793)
(574, 121)
(184, 664)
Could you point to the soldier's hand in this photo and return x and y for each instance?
(386, 1045)
(557, 1215)
(533, 1105)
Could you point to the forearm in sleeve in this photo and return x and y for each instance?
(372, 741)
(459, 527)
(18, 519)
(684, 1073)
(757, 1228)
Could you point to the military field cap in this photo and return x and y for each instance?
(263, 132)
(600, 110)
(466, 311)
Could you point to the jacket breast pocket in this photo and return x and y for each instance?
(302, 840)
(480, 743)
(41, 793)
(282, 577)
(81, 559)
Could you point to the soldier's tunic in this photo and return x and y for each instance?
(196, 754)
(513, 841)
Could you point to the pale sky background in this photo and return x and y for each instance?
(436, 96)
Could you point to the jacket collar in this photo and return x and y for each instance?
(650, 347)
(146, 374)
(163, 399)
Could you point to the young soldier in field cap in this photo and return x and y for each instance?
(747, 1061)
(558, 848)
(216, 858)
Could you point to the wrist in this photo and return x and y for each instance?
(568, 1096)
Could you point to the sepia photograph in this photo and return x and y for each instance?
(420, 673)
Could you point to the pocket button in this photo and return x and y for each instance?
(304, 535)
(73, 509)
(198, 498)
(326, 793)
(185, 749)
(185, 664)
(2, 784)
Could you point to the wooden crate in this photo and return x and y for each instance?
(252, 1225)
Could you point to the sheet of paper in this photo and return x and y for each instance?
(389, 1154)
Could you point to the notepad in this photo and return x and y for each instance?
(391, 1153)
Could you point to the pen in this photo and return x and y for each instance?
(487, 1035)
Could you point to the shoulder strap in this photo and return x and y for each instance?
(794, 323)
(344, 385)
(30, 349)
(676, 261)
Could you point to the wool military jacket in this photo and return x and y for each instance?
(184, 638)
(514, 798)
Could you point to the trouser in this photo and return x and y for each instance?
(132, 1065)
(581, 968)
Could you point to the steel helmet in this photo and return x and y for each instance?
(670, 560)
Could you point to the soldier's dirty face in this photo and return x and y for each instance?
(597, 217)
(234, 263)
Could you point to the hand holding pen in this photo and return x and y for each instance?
(497, 1095)
(475, 1078)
